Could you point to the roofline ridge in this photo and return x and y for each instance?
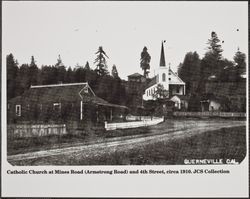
(56, 85)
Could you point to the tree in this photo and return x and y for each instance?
(240, 60)
(214, 46)
(87, 67)
(179, 68)
(101, 66)
(59, 61)
(23, 78)
(210, 64)
(12, 70)
(145, 60)
(114, 72)
(228, 71)
(160, 92)
(189, 71)
(69, 75)
(33, 72)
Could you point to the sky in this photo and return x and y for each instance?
(76, 29)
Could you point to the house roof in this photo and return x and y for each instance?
(62, 93)
(152, 82)
(182, 97)
(135, 75)
(175, 79)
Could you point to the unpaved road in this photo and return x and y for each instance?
(166, 131)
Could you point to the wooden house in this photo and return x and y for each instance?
(180, 102)
(62, 103)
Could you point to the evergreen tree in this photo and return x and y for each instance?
(115, 72)
(23, 78)
(59, 61)
(33, 72)
(70, 75)
(100, 61)
(87, 67)
(211, 63)
(179, 68)
(12, 71)
(145, 60)
(228, 72)
(80, 74)
(189, 71)
(214, 46)
(47, 75)
(240, 60)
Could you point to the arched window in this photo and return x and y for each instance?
(163, 77)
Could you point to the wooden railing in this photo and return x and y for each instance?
(210, 114)
(135, 124)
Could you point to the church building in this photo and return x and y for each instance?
(170, 81)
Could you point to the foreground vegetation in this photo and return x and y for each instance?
(225, 143)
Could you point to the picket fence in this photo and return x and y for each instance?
(210, 114)
(37, 130)
(146, 121)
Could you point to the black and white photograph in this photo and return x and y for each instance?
(130, 83)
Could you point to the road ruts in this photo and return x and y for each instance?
(173, 130)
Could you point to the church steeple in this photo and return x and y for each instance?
(162, 59)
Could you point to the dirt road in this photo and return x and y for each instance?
(166, 131)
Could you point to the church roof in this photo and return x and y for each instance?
(162, 58)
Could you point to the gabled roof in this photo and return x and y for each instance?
(175, 79)
(181, 97)
(61, 93)
(135, 75)
(152, 82)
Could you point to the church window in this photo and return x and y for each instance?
(163, 77)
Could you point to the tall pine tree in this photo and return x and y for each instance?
(210, 64)
(100, 61)
(145, 60)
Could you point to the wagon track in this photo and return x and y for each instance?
(176, 130)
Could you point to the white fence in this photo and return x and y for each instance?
(25, 130)
(126, 125)
(210, 114)
(141, 118)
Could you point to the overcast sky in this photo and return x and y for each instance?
(75, 30)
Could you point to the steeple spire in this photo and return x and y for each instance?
(162, 59)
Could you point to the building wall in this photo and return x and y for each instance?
(161, 71)
(149, 93)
